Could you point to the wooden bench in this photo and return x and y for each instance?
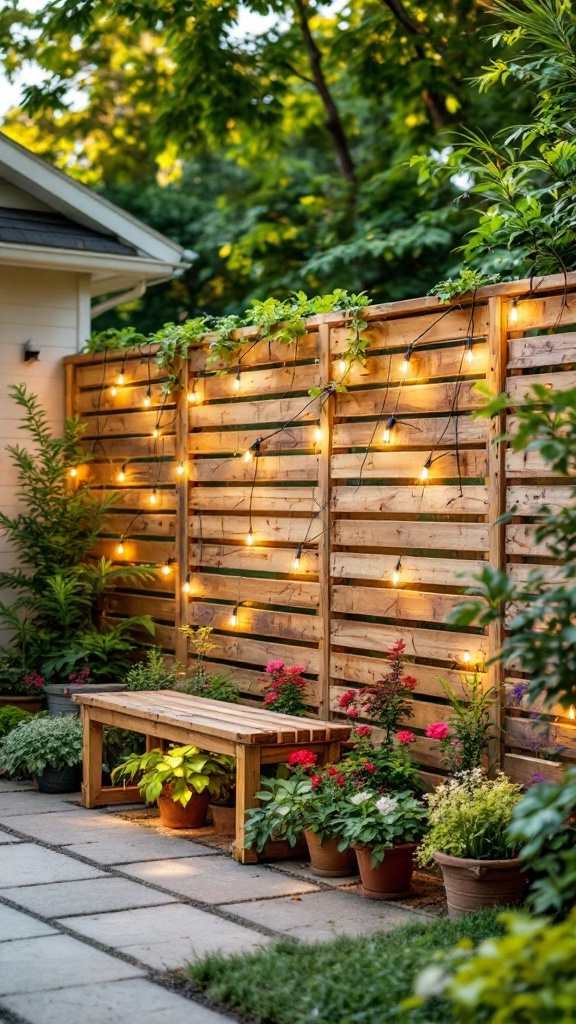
(251, 735)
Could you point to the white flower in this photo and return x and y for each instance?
(431, 981)
(359, 798)
(386, 804)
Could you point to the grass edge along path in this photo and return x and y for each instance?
(360, 980)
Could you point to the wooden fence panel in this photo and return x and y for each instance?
(360, 517)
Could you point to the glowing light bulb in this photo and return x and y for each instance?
(153, 498)
(156, 432)
(166, 570)
(120, 548)
(248, 455)
(466, 657)
(396, 577)
(387, 435)
(469, 353)
(186, 587)
(193, 397)
(572, 712)
(236, 384)
(180, 469)
(73, 472)
(342, 366)
(113, 391)
(234, 618)
(250, 538)
(121, 476)
(405, 364)
(513, 314)
(296, 562)
(147, 400)
(318, 436)
(424, 473)
(120, 379)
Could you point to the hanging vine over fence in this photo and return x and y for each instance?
(317, 509)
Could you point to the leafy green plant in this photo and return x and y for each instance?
(543, 826)
(279, 815)
(43, 742)
(218, 687)
(467, 280)
(182, 769)
(527, 976)
(380, 821)
(388, 767)
(152, 673)
(469, 817)
(10, 717)
(388, 701)
(464, 737)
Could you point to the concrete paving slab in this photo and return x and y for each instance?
(217, 879)
(322, 915)
(10, 786)
(30, 801)
(5, 838)
(114, 849)
(15, 925)
(64, 828)
(26, 864)
(166, 937)
(54, 962)
(135, 1001)
(303, 871)
(88, 897)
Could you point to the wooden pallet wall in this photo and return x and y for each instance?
(325, 481)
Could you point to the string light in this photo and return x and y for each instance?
(180, 469)
(466, 657)
(296, 562)
(113, 391)
(253, 450)
(572, 712)
(167, 567)
(396, 573)
(120, 379)
(153, 498)
(318, 436)
(248, 455)
(250, 538)
(234, 617)
(405, 365)
(193, 397)
(469, 354)
(122, 474)
(148, 398)
(156, 432)
(73, 471)
(120, 548)
(186, 586)
(387, 435)
(513, 315)
(342, 366)
(424, 472)
(236, 383)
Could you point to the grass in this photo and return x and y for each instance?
(344, 981)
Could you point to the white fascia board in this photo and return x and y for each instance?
(105, 268)
(34, 175)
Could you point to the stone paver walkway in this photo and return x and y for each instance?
(96, 909)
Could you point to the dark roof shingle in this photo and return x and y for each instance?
(54, 230)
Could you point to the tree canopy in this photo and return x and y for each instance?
(282, 156)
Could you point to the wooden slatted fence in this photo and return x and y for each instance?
(328, 546)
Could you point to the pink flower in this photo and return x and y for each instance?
(454, 743)
(405, 736)
(363, 730)
(316, 781)
(346, 698)
(296, 670)
(352, 713)
(437, 731)
(275, 666)
(270, 698)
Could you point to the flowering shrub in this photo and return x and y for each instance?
(463, 739)
(388, 701)
(13, 678)
(470, 816)
(388, 768)
(285, 688)
(380, 821)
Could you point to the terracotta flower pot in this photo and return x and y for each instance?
(174, 815)
(391, 879)
(223, 819)
(475, 884)
(31, 704)
(325, 859)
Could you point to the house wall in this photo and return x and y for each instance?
(52, 310)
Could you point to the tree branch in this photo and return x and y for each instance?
(401, 14)
(333, 120)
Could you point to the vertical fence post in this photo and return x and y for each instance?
(181, 454)
(325, 541)
(496, 380)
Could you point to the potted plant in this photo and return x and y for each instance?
(468, 837)
(277, 821)
(199, 683)
(18, 687)
(181, 780)
(464, 737)
(384, 829)
(49, 749)
(223, 804)
(59, 695)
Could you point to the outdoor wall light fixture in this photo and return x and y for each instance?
(30, 353)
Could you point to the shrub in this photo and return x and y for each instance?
(153, 673)
(284, 688)
(43, 742)
(10, 717)
(388, 701)
(218, 687)
(469, 817)
(463, 739)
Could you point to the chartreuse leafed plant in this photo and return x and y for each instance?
(199, 683)
(153, 673)
(526, 977)
(58, 591)
(42, 742)
(184, 769)
(10, 717)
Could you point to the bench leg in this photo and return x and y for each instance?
(247, 785)
(331, 753)
(91, 758)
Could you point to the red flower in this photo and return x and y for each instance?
(370, 767)
(296, 670)
(352, 713)
(302, 758)
(340, 781)
(405, 736)
(346, 698)
(332, 770)
(438, 731)
(363, 730)
(316, 781)
(270, 698)
(409, 682)
(397, 650)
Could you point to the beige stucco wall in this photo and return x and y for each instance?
(52, 310)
